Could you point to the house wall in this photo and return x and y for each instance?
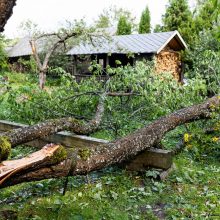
(17, 66)
(82, 65)
(167, 60)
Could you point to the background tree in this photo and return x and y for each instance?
(144, 25)
(109, 18)
(124, 26)
(207, 16)
(56, 43)
(179, 17)
(103, 21)
(29, 28)
(158, 28)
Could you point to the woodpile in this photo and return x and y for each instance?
(169, 61)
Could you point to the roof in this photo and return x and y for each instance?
(23, 48)
(134, 43)
(124, 44)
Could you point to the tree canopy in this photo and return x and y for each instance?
(178, 17)
(124, 26)
(144, 25)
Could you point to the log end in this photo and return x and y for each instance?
(59, 155)
(5, 148)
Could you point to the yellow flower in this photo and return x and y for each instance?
(217, 126)
(215, 139)
(186, 137)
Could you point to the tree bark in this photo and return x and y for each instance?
(6, 8)
(48, 155)
(26, 134)
(82, 161)
(42, 79)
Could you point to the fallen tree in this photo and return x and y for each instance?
(84, 160)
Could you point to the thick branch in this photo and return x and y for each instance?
(35, 54)
(114, 94)
(23, 135)
(89, 159)
(61, 40)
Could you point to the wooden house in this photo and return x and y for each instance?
(164, 47)
(22, 50)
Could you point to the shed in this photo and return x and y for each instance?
(164, 47)
(23, 49)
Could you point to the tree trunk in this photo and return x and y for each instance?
(42, 79)
(84, 160)
(48, 155)
(6, 8)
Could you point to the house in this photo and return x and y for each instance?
(165, 47)
(22, 50)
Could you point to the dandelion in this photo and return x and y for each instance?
(215, 139)
(186, 137)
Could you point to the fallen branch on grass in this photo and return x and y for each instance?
(84, 160)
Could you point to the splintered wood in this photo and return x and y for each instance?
(169, 61)
(37, 159)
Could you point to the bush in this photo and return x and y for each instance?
(152, 96)
(3, 56)
(203, 60)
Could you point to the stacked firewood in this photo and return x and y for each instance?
(169, 61)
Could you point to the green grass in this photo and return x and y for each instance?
(191, 192)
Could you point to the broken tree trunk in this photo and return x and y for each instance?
(49, 155)
(6, 8)
(84, 160)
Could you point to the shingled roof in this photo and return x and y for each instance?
(134, 43)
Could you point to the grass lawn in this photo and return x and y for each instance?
(192, 191)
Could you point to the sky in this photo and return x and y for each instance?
(50, 14)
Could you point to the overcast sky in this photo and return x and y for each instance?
(49, 14)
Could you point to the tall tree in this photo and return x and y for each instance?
(207, 15)
(144, 25)
(124, 26)
(179, 17)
